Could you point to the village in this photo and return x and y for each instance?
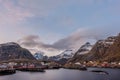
(11, 67)
(94, 64)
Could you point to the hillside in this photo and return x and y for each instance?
(63, 57)
(103, 50)
(113, 53)
(12, 51)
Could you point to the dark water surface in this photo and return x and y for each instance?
(65, 74)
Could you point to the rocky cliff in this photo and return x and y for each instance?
(13, 51)
(113, 53)
(100, 49)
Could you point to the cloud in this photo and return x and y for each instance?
(23, 17)
(34, 44)
(41, 8)
(31, 41)
(73, 41)
(17, 11)
(12, 14)
(79, 37)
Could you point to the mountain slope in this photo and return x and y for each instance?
(103, 50)
(12, 50)
(65, 54)
(63, 57)
(82, 51)
(113, 54)
(99, 50)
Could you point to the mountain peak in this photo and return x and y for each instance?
(39, 55)
(10, 44)
(85, 48)
(13, 50)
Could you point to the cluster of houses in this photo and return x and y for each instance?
(99, 64)
(6, 66)
(20, 65)
(54, 65)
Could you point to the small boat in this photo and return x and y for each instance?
(100, 72)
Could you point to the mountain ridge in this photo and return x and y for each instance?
(103, 50)
(12, 50)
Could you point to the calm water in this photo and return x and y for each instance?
(64, 74)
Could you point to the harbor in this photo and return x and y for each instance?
(26, 66)
(65, 74)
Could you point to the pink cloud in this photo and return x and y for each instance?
(11, 13)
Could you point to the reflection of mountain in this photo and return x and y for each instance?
(103, 50)
(12, 50)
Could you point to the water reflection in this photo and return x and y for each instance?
(64, 74)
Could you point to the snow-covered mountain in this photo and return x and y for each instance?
(39, 55)
(64, 55)
(107, 42)
(103, 50)
(84, 49)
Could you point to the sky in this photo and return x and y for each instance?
(52, 26)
